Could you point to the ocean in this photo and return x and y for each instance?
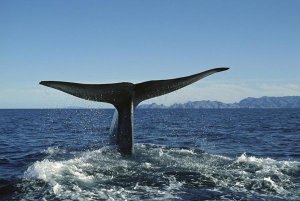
(180, 154)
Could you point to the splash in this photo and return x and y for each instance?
(161, 173)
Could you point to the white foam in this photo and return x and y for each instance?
(101, 174)
(57, 189)
(258, 173)
(253, 159)
(78, 178)
(45, 170)
(272, 185)
(54, 150)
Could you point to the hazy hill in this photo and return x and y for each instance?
(263, 102)
(271, 102)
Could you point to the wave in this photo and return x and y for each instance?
(159, 173)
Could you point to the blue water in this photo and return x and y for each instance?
(234, 154)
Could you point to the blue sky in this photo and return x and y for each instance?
(114, 41)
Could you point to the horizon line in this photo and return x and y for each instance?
(70, 107)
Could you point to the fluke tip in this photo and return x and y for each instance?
(224, 68)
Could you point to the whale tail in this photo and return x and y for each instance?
(125, 96)
(119, 93)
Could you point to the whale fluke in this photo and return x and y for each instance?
(154, 88)
(125, 96)
(114, 93)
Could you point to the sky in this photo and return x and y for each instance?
(135, 41)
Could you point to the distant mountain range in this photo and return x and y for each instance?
(263, 102)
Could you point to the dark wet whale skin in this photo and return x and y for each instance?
(125, 96)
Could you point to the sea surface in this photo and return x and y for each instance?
(180, 154)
